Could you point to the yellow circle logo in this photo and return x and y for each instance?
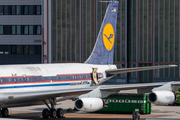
(108, 36)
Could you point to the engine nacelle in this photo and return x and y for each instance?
(161, 97)
(89, 104)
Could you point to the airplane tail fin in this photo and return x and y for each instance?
(104, 48)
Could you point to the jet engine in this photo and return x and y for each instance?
(161, 97)
(89, 104)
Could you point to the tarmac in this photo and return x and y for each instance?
(35, 113)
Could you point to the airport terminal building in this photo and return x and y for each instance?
(65, 31)
(20, 31)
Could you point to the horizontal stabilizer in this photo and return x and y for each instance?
(126, 70)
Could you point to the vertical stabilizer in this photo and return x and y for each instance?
(104, 48)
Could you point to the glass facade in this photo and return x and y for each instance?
(147, 34)
(66, 30)
(20, 29)
(166, 37)
(20, 54)
(20, 9)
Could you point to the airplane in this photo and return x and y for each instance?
(36, 84)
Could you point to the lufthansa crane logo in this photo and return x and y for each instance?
(108, 36)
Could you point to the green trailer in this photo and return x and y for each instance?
(177, 94)
(127, 103)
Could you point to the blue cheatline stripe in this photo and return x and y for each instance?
(42, 85)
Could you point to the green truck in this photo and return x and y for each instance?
(127, 103)
(177, 94)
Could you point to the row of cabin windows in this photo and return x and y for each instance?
(6, 80)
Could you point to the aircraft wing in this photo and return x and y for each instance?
(32, 98)
(135, 86)
(126, 70)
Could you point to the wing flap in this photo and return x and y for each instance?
(126, 70)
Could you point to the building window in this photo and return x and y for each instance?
(18, 10)
(31, 49)
(26, 10)
(5, 10)
(38, 49)
(13, 29)
(1, 10)
(38, 10)
(13, 10)
(31, 10)
(18, 29)
(25, 49)
(13, 49)
(26, 30)
(18, 49)
(38, 29)
(7, 29)
(1, 30)
(31, 30)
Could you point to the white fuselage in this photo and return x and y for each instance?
(16, 79)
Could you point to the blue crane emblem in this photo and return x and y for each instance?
(110, 36)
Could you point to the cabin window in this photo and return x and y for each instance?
(115, 100)
(121, 101)
(109, 100)
(127, 101)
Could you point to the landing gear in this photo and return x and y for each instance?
(45, 113)
(60, 113)
(4, 112)
(52, 113)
